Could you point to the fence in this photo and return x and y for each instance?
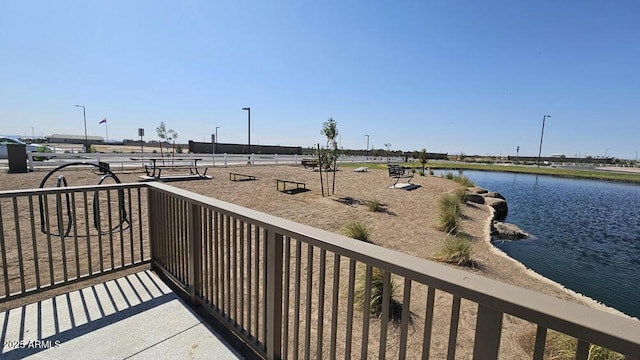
(277, 283)
(55, 237)
(287, 289)
(133, 159)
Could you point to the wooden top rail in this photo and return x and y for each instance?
(62, 190)
(595, 326)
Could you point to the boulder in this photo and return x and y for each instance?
(507, 231)
(474, 198)
(500, 206)
(477, 190)
(494, 194)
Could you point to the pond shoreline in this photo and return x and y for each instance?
(491, 242)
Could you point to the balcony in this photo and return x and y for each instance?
(90, 264)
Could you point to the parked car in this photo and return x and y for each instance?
(4, 140)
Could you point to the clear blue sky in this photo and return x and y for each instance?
(450, 76)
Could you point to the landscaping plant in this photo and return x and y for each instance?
(374, 205)
(356, 230)
(449, 213)
(377, 294)
(456, 249)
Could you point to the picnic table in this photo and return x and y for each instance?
(309, 163)
(154, 169)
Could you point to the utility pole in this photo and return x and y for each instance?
(541, 135)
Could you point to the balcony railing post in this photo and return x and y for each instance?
(195, 245)
(488, 332)
(274, 295)
(151, 225)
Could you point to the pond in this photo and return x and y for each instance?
(586, 232)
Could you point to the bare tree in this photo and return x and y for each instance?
(165, 136)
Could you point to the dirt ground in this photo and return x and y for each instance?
(405, 225)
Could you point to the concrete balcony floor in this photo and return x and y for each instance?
(133, 317)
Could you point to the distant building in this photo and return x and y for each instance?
(74, 139)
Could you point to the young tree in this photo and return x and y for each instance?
(422, 156)
(388, 146)
(330, 130)
(165, 135)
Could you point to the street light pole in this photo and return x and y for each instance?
(248, 129)
(541, 135)
(216, 141)
(33, 134)
(517, 154)
(367, 146)
(84, 115)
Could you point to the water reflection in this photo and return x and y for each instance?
(587, 232)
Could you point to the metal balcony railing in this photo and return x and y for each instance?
(288, 290)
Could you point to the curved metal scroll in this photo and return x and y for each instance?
(62, 182)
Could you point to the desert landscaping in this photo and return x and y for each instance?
(405, 222)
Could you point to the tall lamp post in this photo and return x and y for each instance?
(517, 154)
(215, 143)
(367, 146)
(84, 115)
(541, 135)
(248, 129)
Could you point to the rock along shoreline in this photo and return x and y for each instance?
(496, 228)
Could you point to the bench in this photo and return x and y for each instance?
(240, 177)
(285, 182)
(309, 163)
(399, 172)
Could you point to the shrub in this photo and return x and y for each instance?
(456, 250)
(374, 205)
(559, 346)
(421, 173)
(449, 176)
(356, 230)
(377, 294)
(449, 213)
(463, 180)
(460, 194)
(430, 171)
(42, 149)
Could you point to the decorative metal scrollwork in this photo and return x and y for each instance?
(65, 229)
